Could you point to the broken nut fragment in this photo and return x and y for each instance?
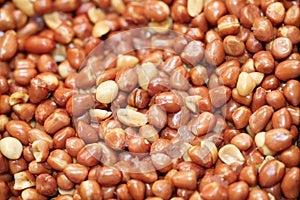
(231, 155)
(130, 117)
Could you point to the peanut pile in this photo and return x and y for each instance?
(149, 99)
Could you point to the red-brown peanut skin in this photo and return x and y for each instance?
(185, 179)
(76, 172)
(162, 189)
(278, 139)
(8, 45)
(257, 193)
(238, 190)
(290, 156)
(60, 137)
(214, 190)
(259, 119)
(46, 185)
(4, 192)
(136, 189)
(18, 129)
(282, 119)
(271, 173)
(291, 92)
(290, 183)
(108, 176)
(89, 155)
(288, 69)
(240, 117)
(204, 123)
(169, 101)
(59, 159)
(56, 121)
(90, 190)
(38, 44)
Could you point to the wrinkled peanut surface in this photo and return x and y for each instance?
(153, 99)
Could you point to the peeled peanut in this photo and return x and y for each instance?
(245, 84)
(11, 148)
(230, 154)
(130, 117)
(194, 7)
(107, 91)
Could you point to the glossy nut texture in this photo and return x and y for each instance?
(155, 99)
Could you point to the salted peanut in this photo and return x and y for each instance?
(49, 79)
(99, 114)
(76, 172)
(40, 150)
(90, 154)
(288, 69)
(25, 111)
(275, 12)
(3, 121)
(290, 156)
(149, 132)
(260, 142)
(122, 192)
(146, 72)
(240, 117)
(290, 183)
(257, 77)
(118, 6)
(8, 44)
(214, 190)
(156, 10)
(161, 27)
(90, 189)
(95, 14)
(191, 102)
(185, 179)
(56, 121)
(107, 91)
(194, 7)
(46, 185)
(245, 84)
(39, 168)
(278, 139)
(18, 97)
(11, 147)
(36, 134)
(59, 159)
(257, 193)
(249, 175)
(204, 155)
(126, 61)
(100, 28)
(260, 118)
(26, 6)
(231, 155)
(130, 117)
(243, 141)
(108, 176)
(23, 180)
(137, 189)
(31, 193)
(59, 54)
(52, 20)
(161, 162)
(162, 189)
(291, 92)
(271, 173)
(204, 123)
(116, 139)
